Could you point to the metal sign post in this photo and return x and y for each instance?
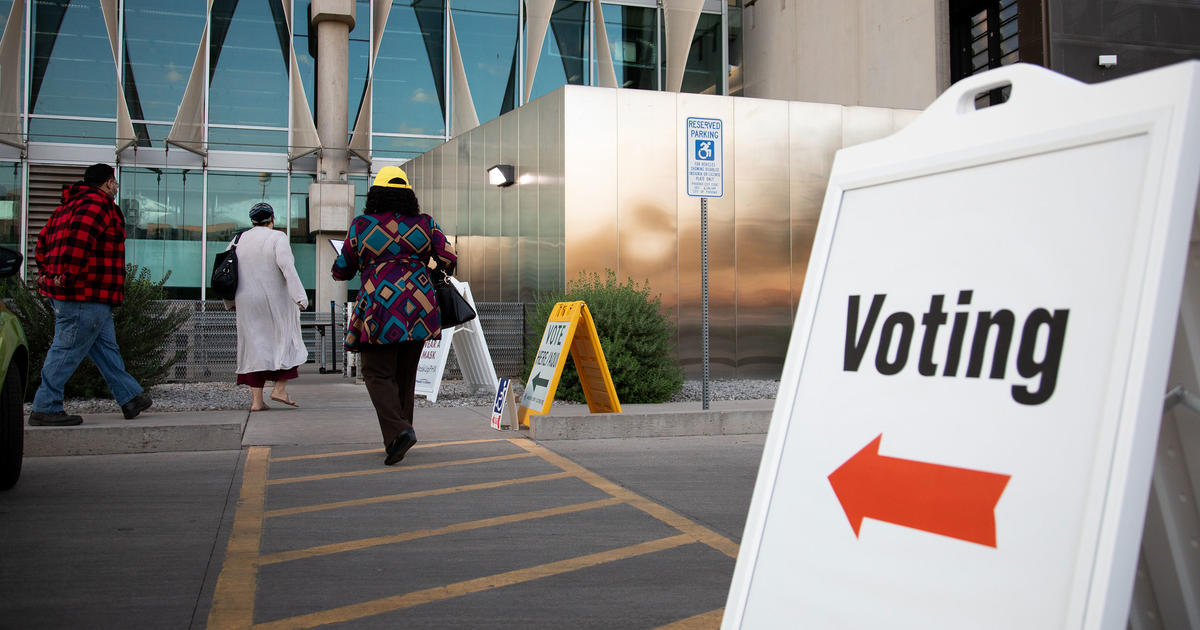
(705, 178)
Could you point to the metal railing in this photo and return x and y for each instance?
(209, 340)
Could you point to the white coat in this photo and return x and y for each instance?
(268, 292)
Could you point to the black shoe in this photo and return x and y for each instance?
(53, 419)
(400, 446)
(140, 403)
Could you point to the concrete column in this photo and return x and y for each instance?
(331, 198)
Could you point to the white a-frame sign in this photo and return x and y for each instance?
(966, 423)
(470, 350)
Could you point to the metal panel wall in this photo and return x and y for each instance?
(815, 135)
(600, 185)
(763, 262)
(551, 195)
(647, 236)
(509, 213)
(589, 179)
(527, 164)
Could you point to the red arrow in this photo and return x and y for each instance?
(955, 502)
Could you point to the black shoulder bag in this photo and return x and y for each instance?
(225, 272)
(453, 308)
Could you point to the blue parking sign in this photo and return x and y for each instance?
(705, 162)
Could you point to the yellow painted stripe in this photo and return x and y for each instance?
(487, 485)
(458, 589)
(392, 469)
(708, 621)
(233, 599)
(379, 451)
(662, 513)
(365, 543)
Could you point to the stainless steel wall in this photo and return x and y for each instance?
(600, 185)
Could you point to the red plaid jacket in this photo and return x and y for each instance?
(84, 244)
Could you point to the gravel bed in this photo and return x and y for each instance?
(224, 395)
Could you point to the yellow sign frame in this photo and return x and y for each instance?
(583, 344)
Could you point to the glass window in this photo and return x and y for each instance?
(236, 139)
(702, 73)
(303, 243)
(73, 71)
(631, 39)
(163, 211)
(248, 64)
(402, 147)
(409, 85)
(230, 196)
(10, 205)
(359, 60)
(72, 131)
(487, 41)
(161, 41)
(564, 59)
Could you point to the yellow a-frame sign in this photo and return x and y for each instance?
(570, 326)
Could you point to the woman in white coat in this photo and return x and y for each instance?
(268, 303)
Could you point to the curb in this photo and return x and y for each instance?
(652, 424)
(110, 434)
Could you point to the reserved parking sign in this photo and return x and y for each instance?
(966, 423)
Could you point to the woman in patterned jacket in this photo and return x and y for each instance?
(391, 243)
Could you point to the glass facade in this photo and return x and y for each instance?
(565, 58)
(633, 40)
(181, 210)
(160, 46)
(73, 73)
(488, 42)
(164, 210)
(10, 205)
(248, 64)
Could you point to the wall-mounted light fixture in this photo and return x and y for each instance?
(501, 175)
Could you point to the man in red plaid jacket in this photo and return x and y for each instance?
(81, 264)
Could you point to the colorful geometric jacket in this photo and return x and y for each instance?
(83, 243)
(396, 301)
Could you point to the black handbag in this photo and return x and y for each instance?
(224, 280)
(452, 306)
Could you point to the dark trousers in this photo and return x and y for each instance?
(390, 373)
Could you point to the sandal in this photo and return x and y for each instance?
(263, 408)
(286, 401)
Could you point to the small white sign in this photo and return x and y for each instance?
(705, 157)
(544, 365)
(432, 364)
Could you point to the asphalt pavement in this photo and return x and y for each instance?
(298, 523)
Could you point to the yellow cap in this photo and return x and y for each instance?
(392, 177)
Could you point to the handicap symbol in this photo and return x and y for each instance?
(704, 150)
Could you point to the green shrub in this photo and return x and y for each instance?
(637, 338)
(145, 325)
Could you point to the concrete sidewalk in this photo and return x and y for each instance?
(335, 410)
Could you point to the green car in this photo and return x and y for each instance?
(14, 374)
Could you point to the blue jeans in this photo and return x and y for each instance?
(82, 329)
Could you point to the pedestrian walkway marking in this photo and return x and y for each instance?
(236, 589)
(487, 485)
(707, 621)
(391, 470)
(477, 585)
(701, 533)
(233, 599)
(365, 543)
(378, 451)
